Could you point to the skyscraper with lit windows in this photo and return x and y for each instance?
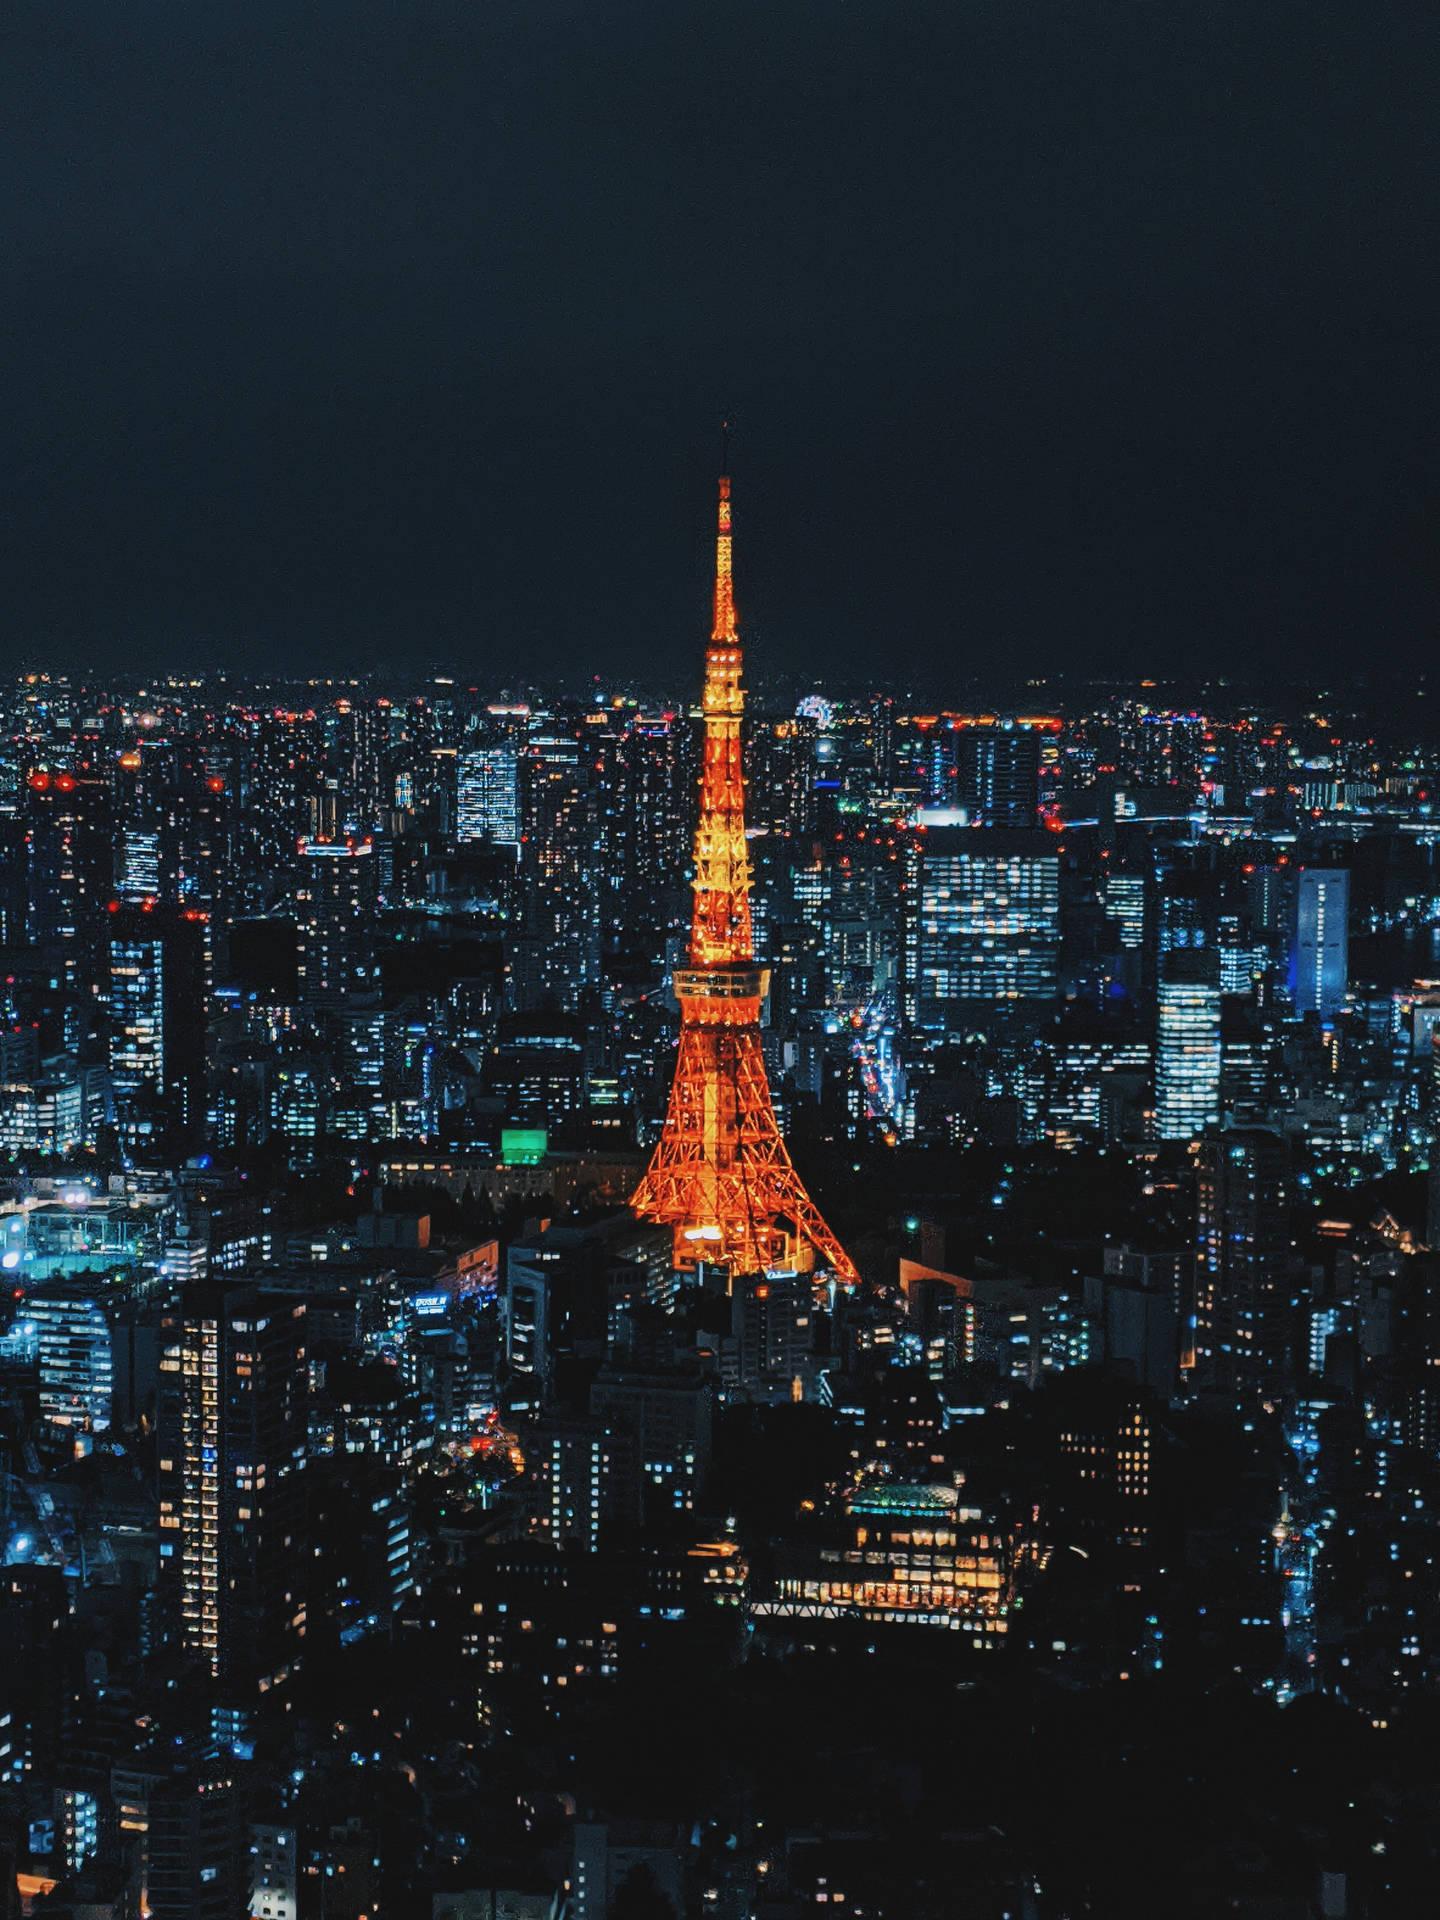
(488, 798)
(335, 897)
(155, 1000)
(1243, 1245)
(986, 923)
(1188, 1051)
(231, 1433)
(999, 775)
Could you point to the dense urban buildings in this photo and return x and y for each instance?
(1028, 1302)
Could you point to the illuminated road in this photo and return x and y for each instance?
(1299, 1537)
(872, 1044)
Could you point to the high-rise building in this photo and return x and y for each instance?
(999, 775)
(986, 925)
(155, 999)
(772, 1324)
(531, 1268)
(137, 869)
(557, 951)
(1125, 905)
(67, 817)
(77, 1365)
(1188, 1052)
(642, 835)
(1243, 1239)
(584, 1477)
(488, 804)
(666, 1413)
(1320, 949)
(335, 895)
(1104, 1446)
(231, 1433)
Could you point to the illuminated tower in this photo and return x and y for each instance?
(720, 1175)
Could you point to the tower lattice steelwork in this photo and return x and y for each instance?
(721, 1175)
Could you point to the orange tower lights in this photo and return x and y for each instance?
(721, 1176)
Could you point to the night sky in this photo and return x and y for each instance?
(1095, 334)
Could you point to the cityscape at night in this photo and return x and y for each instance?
(720, 962)
(708, 1306)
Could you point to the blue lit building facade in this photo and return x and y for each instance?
(1320, 950)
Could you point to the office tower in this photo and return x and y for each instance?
(231, 1433)
(939, 766)
(529, 1284)
(155, 1000)
(1320, 947)
(557, 951)
(772, 1328)
(1125, 905)
(1243, 960)
(77, 1366)
(720, 1176)
(559, 1283)
(1187, 1048)
(1248, 1056)
(53, 1112)
(537, 1067)
(1269, 899)
(40, 1672)
(137, 870)
(584, 1477)
(205, 863)
(488, 802)
(67, 818)
(985, 928)
(1243, 1241)
(999, 775)
(862, 924)
(666, 1413)
(14, 881)
(1104, 1445)
(334, 899)
(642, 827)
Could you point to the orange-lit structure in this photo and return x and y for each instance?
(721, 1176)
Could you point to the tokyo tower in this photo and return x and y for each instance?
(720, 1175)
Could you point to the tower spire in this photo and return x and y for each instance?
(720, 1174)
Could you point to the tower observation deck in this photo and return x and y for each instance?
(721, 1175)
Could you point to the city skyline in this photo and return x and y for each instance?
(635, 1288)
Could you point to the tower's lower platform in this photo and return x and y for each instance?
(721, 1175)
